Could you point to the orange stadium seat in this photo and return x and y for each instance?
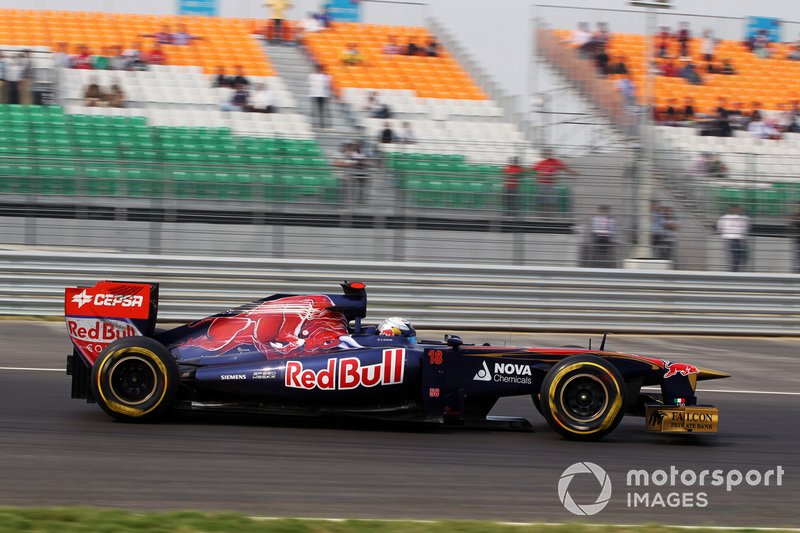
(226, 42)
(430, 77)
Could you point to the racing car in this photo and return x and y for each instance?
(313, 354)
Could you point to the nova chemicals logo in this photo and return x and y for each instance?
(602, 498)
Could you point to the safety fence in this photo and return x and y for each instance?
(431, 294)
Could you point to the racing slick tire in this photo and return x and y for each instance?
(135, 379)
(582, 397)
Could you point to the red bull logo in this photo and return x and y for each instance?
(684, 369)
(348, 373)
(287, 327)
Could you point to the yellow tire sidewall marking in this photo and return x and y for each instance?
(123, 409)
(615, 406)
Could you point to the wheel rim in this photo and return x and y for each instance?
(133, 380)
(584, 398)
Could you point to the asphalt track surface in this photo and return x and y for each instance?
(57, 451)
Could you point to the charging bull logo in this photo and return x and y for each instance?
(288, 327)
(673, 369)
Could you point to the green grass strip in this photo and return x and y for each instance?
(80, 520)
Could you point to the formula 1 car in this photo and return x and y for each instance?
(312, 355)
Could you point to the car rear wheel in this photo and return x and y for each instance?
(582, 397)
(135, 379)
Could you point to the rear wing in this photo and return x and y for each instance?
(97, 316)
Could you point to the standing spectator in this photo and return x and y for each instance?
(134, 57)
(734, 228)
(351, 55)
(582, 39)
(358, 165)
(387, 135)
(684, 36)
(432, 50)
(14, 70)
(407, 135)
(391, 47)
(261, 100)
(157, 56)
(662, 41)
(657, 224)
(220, 79)
(240, 78)
(26, 80)
(225, 95)
(794, 231)
(319, 90)
(603, 236)
(708, 45)
(547, 170)
(512, 173)
(183, 38)
(601, 59)
(311, 24)
(666, 250)
(3, 63)
(278, 14)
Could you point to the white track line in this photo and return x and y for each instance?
(25, 369)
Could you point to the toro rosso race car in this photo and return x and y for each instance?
(311, 354)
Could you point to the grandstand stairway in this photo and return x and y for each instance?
(294, 65)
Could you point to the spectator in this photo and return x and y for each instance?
(716, 168)
(626, 87)
(225, 95)
(684, 36)
(157, 56)
(391, 47)
(240, 78)
(760, 129)
(407, 135)
(351, 55)
(547, 170)
(83, 60)
(669, 115)
(220, 79)
(162, 37)
(412, 49)
(602, 36)
(690, 74)
(603, 236)
(102, 61)
(241, 97)
(601, 59)
(319, 85)
(26, 80)
(700, 166)
(662, 41)
(688, 115)
(375, 108)
(666, 246)
(734, 228)
(669, 69)
(708, 45)
(117, 60)
(134, 57)
(761, 44)
(582, 39)
(183, 38)
(278, 14)
(3, 63)
(620, 67)
(513, 173)
(312, 24)
(720, 126)
(357, 162)
(794, 55)
(261, 100)
(727, 67)
(794, 231)
(115, 96)
(14, 70)
(94, 96)
(657, 224)
(432, 50)
(325, 17)
(387, 135)
(62, 58)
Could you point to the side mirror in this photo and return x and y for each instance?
(453, 341)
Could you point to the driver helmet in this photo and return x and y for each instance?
(398, 326)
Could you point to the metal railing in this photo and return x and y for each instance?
(431, 294)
